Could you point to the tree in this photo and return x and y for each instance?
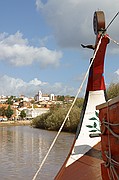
(22, 114)
(2, 111)
(79, 102)
(113, 90)
(60, 98)
(9, 112)
(10, 100)
(53, 119)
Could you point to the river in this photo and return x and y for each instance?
(22, 149)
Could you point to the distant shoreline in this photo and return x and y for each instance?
(16, 123)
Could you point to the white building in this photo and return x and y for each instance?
(3, 99)
(44, 97)
(34, 112)
(26, 99)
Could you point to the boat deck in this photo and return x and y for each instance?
(87, 167)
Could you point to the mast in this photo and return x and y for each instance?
(89, 126)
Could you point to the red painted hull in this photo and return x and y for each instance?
(109, 117)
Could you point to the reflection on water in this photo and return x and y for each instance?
(22, 149)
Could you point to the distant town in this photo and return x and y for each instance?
(30, 107)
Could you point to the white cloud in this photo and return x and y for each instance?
(72, 20)
(39, 4)
(116, 76)
(17, 51)
(117, 72)
(37, 82)
(61, 89)
(44, 40)
(113, 77)
(12, 86)
(9, 40)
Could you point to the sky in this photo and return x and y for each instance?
(40, 45)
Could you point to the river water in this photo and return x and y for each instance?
(23, 148)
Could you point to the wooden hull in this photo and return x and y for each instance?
(109, 117)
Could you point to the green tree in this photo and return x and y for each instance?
(22, 114)
(9, 112)
(60, 98)
(10, 100)
(2, 111)
(79, 102)
(53, 119)
(113, 90)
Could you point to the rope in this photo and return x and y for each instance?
(111, 131)
(114, 41)
(111, 163)
(104, 122)
(112, 168)
(79, 90)
(112, 160)
(108, 136)
(112, 20)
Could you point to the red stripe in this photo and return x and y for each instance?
(96, 78)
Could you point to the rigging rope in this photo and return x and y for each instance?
(114, 41)
(112, 20)
(112, 160)
(112, 173)
(112, 164)
(111, 124)
(79, 90)
(107, 125)
(115, 173)
(109, 143)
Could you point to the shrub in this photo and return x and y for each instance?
(53, 119)
(39, 121)
(113, 90)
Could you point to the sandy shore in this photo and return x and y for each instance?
(15, 123)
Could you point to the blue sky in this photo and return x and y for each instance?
(40, 45)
